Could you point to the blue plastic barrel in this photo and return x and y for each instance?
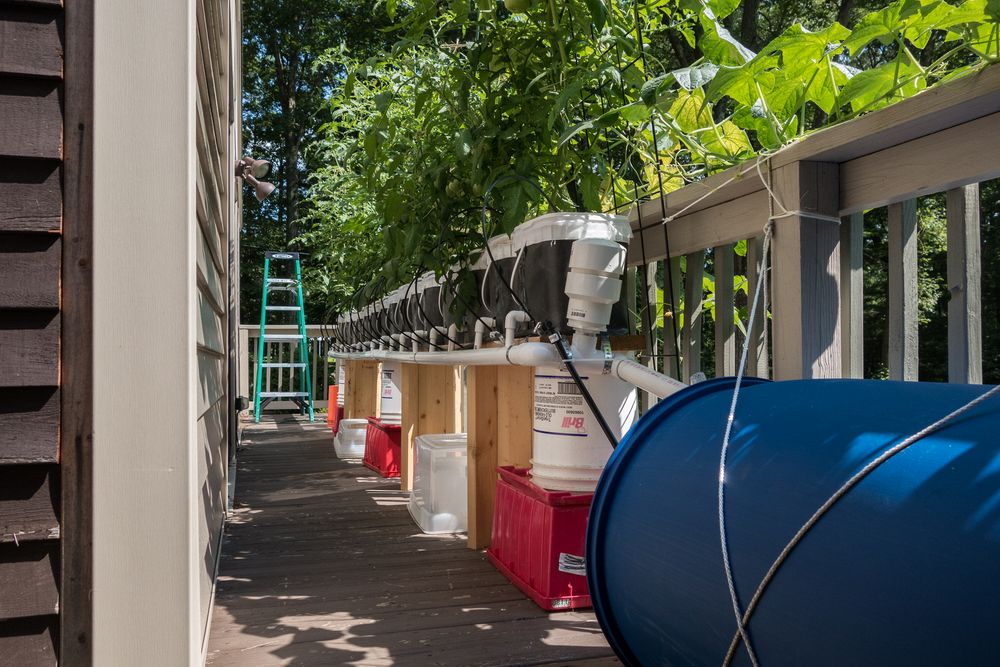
(904, 570)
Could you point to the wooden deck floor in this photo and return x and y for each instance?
(322, 565)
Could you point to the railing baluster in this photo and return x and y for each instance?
(852, 295)
(647, 319)
(671, 325)
(267, 357)
(965, 336)
(903, 323)
(693, 297)
(725, 339)
(326, 371)
(757, 355)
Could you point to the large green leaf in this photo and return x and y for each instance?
(718, 45)
(876, 87)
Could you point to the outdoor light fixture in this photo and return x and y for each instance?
(250, 170)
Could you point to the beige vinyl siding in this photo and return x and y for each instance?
(214, 180)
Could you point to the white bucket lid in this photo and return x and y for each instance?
(444, 440)
(427, 280)
(500, 246)
(571, 227)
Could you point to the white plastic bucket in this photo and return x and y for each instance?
(340, 383)
(350, 440)
(570, 227)
(438, 502)
(569, 448)
(391, 395)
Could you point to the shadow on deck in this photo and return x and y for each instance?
(322, 565)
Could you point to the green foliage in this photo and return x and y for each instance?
(577, 104)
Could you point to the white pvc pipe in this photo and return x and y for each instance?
(452, 335)
(510, 323)
(534, 354)
(481, 324)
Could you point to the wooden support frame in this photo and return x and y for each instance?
(362, 380)
(500, 400)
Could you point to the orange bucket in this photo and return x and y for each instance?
(331, 404)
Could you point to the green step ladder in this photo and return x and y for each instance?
(304, 397)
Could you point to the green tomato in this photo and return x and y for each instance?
(517, 6)
(454, 189)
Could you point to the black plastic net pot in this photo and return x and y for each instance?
(543, 246)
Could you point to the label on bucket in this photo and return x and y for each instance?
(559, 406)
(387, 384)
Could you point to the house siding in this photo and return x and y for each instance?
(31, 202)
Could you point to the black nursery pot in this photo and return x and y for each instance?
(430, 308)
(499, 299)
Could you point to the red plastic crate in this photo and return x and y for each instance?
(334, 415)
(532, 528)
(382, 450)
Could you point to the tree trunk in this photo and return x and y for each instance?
(748, 24)
(292, 144)
(845, 14)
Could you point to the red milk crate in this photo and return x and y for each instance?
(538, 540)
(335, 414)
(382, 450)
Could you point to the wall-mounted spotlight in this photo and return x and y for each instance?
(250, 170)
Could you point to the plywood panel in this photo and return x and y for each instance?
(28, 579)
(29, 425)
(32, 113)
(515, 400)
(32, 195)
(29, 348)
(361, 382)
(30, 264)
(31, 42)
(29, 496)
(409, 423)
(482, 451)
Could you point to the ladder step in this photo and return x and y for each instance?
(282, 338)
(284, 394)
(283, 281)
(282, 288)
(283, 308)
(282, 365)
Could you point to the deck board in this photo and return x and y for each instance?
(322, 565)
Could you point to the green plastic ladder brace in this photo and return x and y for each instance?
(303, 397)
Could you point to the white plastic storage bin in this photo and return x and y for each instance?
(350, 440)
(438, 500)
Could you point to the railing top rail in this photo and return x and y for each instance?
(311, 329)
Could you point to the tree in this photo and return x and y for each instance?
(285, 93)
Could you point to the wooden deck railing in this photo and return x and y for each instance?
(283, 379)
(944, 140)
